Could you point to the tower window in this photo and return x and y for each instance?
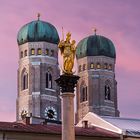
(32, 51)
(21, 54)
(92, 66)
(39, 51)
(52, 52)
(107, 92)
(80, 67)
(24, 81)
(110, 67)
(84, 67)
(25, 53)
(105, 66)
(98, 66)
(47, 52)
(83, 94)
(48, 80)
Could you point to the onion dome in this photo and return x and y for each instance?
(37, 31)
(95, 45)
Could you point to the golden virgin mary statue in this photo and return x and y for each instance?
(67, 49)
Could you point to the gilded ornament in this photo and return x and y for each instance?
(67, 49)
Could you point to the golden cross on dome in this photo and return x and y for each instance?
(95, 30)
(38, 16)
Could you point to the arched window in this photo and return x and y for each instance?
(92, 66)
(48, 80)
(83, 94)
(84, 67)
(39, 51)
(52, 52)
(110, 67)
(80, 67)
(98, 66)
(21, 54)
(105, 66)
(25, 53)
(47, 52)
(107, 92)
(24, 80)
(32, 51)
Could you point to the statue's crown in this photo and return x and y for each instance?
(68, 34)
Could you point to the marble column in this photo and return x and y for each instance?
(67, 84)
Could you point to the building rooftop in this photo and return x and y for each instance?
(126, 126)
(54, 129)
(129, 125)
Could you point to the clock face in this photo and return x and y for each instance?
(50, 113)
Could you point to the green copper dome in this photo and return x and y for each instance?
(38, 31)
(95, 45)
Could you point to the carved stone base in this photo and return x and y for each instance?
(67, 83)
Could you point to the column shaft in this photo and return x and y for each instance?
(68, 129)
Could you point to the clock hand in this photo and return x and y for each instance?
(50, 113)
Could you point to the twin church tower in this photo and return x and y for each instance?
(38, 94)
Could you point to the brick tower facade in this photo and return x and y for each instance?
(97, 87)
(38, 94)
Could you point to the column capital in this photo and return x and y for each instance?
(67, 83)
(67, 94)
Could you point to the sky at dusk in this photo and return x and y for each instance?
(118, 20)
